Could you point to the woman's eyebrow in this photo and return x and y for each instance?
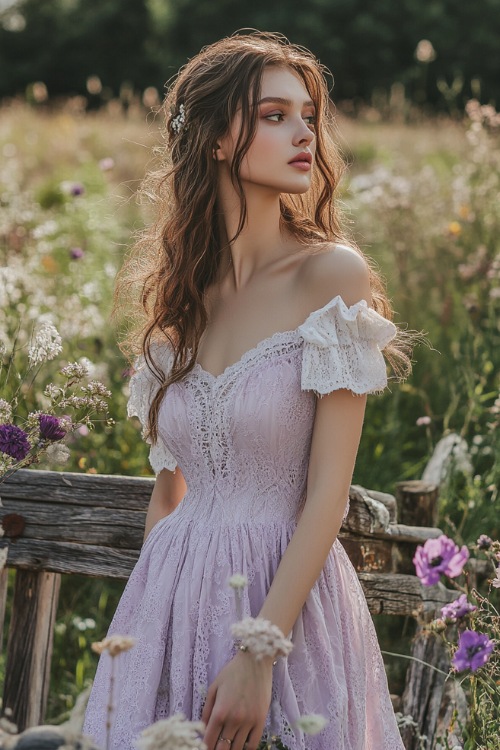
(285, 102)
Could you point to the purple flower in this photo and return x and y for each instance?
(438, 557)
(76, 253)
(459, 608)
(77, 189)
(473, 651)
(14, 441)
(50, 428)
(484, 542)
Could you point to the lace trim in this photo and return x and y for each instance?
(342, 348)
(143, 387)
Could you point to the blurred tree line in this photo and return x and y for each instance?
(140, 43)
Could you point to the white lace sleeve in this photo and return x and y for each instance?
(342, 348)
(143, 387)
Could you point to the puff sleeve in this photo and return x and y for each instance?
(143, 387)
(342, 348)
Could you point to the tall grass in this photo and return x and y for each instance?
(423, 201)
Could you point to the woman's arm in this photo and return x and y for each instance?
(336, 434)
(167, 493)
(337, 431)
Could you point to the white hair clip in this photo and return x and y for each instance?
(178, 121)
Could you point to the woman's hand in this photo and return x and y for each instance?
(237, 703)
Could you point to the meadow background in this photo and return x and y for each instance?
(421, 197)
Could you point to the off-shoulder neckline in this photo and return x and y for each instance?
(282, 335)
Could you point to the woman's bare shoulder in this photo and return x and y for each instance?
(331, 269)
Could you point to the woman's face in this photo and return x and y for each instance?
(285, 131)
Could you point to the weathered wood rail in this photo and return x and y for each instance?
(65, 523)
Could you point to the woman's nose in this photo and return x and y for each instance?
(303, 134)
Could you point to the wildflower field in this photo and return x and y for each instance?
(422, 201)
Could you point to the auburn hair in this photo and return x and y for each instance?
(160, 288)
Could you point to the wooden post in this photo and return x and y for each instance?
(417, 503)
(4, 581)
(424, 686)
(29, 648)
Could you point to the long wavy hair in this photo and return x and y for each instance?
(160, 289)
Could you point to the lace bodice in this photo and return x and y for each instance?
(256, 417)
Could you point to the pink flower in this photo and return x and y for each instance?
(457, 609)
(496, 581)
(423, 421)
(438, 557)
(106, 164)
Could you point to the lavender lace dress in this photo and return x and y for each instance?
(242, 440)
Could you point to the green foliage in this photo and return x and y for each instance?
(433, 232)
(368, 46)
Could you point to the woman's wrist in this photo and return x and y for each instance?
(261, 639)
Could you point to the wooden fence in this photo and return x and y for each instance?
(57, 523)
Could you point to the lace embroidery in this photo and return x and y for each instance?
(143, 387)
(342, 348)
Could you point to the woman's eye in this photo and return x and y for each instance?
(312, 119)
(278, 114)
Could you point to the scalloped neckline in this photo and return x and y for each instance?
(248, 355)
(277, 335)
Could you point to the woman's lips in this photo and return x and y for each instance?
(304, 165)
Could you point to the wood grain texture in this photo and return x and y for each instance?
(29, 647)
(397, 594)
(93, 525)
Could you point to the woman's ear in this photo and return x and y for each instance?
(217, 153)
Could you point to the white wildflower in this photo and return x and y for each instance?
(76, 370)
(58, 453)
(46, 344)
(52, 391)
(3, 557)
(312, 723)
(238, 581)
(174, 733)
(114, 644)
(5, 411)
(261, 637)
(95, 388)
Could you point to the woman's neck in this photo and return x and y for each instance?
(261, 241)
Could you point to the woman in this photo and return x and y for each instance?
(259, 325)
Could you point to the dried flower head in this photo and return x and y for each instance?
(238, 581)
(261, 637)
(174, 733)
(496, 581)
(57, 453)
(45, 345)
(75, 370)
(312, 723)
(114, 644)
(5, 411)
